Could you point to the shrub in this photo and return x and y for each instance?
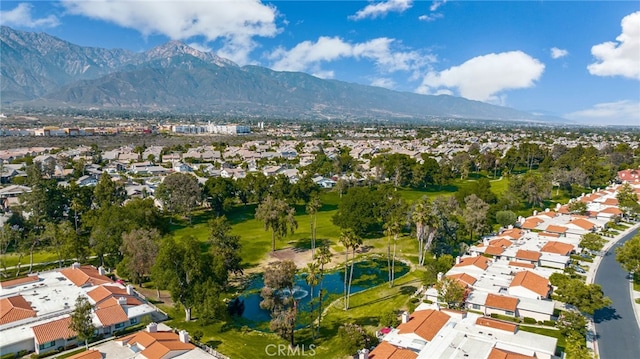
(549, 323)
(197, 335)
(388, 319)
(494, 315)
(528, 320)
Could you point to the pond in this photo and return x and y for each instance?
(366, 274)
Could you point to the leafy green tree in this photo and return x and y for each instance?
(593, 242)
(139, 248)
(65, 242)
(359, 210)
(572, 324)
(577, 207)
(190, 275)
(225, 246)
(506, 218)
(220, 193)
(629, 254)
(277, 216)
(586, 297)
(451, 292)
(628, 200)
(277, 294)
(108, 192)
(475, 214)
(352, 337)
(81, 321)
(180, 193)
(389, 318)
(533, 187)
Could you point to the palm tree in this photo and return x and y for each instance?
(349, 240)
(312, 280)
(324, 257)
(312, 210)
(426, 226)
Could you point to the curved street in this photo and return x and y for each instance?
(618, 334)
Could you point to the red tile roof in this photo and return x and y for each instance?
(556, 229)
(545, 234)
(385, 350)
(16, 282)
(89, 354)
(630, 175)
(501, 302)
(501, 242)
(497, 324)
(611, 202)
(15, 308)
(612, 210)
(85, 275)
(50, 331)
(557, 247)
(521, 264)
(103, 292)
(528, 255)
(478, 261)
(494, 250)
(424, 323)
(111, 315)
(513, 233)
(531, 222)
(531, 281)
(129, 300)
(583, 223)
(464, 278)
(548, 214)
(156, 345)
(503, 354)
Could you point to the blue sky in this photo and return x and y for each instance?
(576, 59)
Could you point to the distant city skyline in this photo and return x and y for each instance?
(575, 59)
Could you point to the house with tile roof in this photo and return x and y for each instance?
(555, 247)
(501, 304)
(89, 354)
(529, 285)
(460, 335)
(528, 256)
(35, 309)
(52, 335)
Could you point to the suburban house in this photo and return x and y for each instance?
(527, 284)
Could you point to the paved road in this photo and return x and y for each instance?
(616, 326)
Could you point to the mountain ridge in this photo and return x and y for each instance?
(38, 68)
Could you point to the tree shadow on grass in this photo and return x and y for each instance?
(377, 300)
(363, 321)
(213, 344)
(408, 289)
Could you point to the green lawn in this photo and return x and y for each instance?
(554, 333)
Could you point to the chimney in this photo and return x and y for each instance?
(184, 336)
(363, 354)
(101, 270)
(558, 206)
(439, 276)
(405, 317)
(152, 327)
(510, 226)
(130, 289)
(75, 265)
(458, 260)
(535, 213)
(122, 301)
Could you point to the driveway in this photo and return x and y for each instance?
(616, 326)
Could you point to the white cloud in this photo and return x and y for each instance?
(484, 77)
(557, 53)
(625, 112)
(381, 9)
(621, 58)
(235, 25)
(21, 16)
(308, 56)
(431, 17)
(436, 5)
(383, 82)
